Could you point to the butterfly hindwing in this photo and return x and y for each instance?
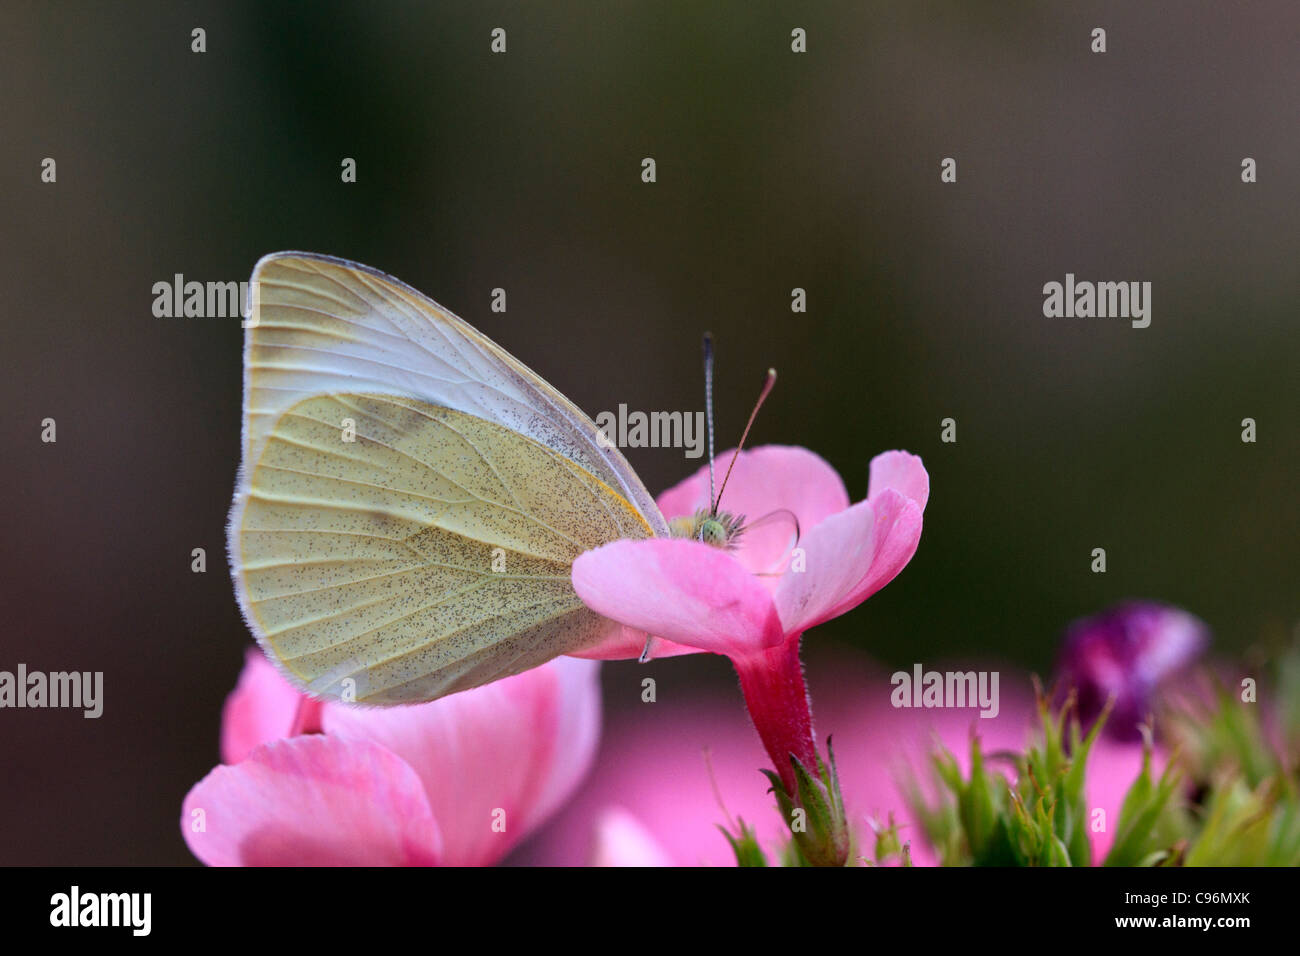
(415, 550)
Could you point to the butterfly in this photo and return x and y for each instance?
(411, 497)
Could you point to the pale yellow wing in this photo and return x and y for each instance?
(429, 554)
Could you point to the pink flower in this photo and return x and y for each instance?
(754, 604)
(458, 781)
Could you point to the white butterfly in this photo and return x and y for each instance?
(411, 497)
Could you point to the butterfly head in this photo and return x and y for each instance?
(721, 530)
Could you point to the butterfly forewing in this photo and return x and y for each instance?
(415, 550)
(324, 326)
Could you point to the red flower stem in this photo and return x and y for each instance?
(772, 682)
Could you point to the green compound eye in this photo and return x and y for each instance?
(714, 532)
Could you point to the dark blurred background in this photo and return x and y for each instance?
(775, 170)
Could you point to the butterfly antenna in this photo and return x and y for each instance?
(708, 408)
(762, 397)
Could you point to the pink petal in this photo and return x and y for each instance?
(496, 760)
(570, 693)
(261, 708)
(679, 590)
(621, 840)
(766, 479)
(849, 557)
(901, 471)
(312, 801)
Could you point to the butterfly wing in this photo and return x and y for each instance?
(428, 554)
(322, 325)
(330, 330)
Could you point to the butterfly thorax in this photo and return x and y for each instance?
(721, 530)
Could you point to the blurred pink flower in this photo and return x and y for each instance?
(754, 603)
(458, 781)
(1127, 652)
(650, 800)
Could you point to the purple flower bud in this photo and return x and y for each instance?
(1128, 651)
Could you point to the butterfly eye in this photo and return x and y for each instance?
(714, 532)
